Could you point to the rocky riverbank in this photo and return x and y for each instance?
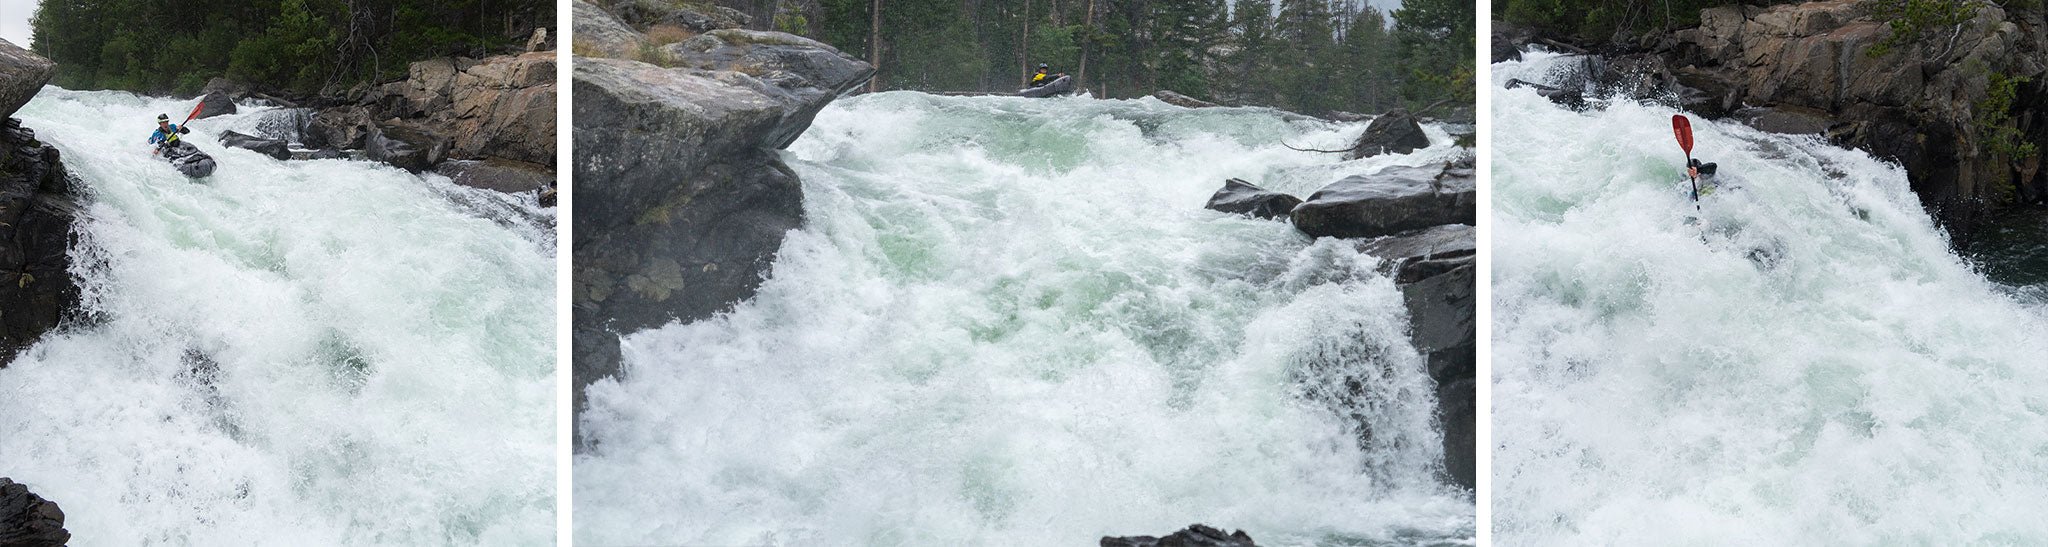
(1420, 221)
(38, 205)
(1963, 107)
(682, 199)
(487, 123)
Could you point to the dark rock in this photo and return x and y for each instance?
(22, 75)
(38, 205)
(1457, 413)
(1195, 535)
(405, 146)
(215, 104)
(1441, 307)
(503, 175)
(345, 127)
(1395, 132)
(275, 148)
(1170, 97)
(327, 154)
(1417, 254)
(1441, 323)
(681, 198)
(1240, 197)
(1568, 98)
(1394, 200)
(28, 520)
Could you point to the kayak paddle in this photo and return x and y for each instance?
(202, 104)
(1683, 128)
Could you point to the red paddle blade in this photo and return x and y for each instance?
(1683, 128)
(202, 104)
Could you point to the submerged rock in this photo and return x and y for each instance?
(506, 176)
(1174, 98)
(1396, 132)
(1240, 197)
(28, 520)
(1391, 201)
(1195, 535)
(275, 148)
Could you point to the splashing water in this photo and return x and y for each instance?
(321, 352)
(1810, 364)
(1010, 321)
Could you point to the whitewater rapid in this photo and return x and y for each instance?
(1812, 365)
(322, 352)
(1010, 321)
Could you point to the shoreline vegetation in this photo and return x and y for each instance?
(293, 47)
(1317, 57)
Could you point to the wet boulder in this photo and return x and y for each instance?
(1410, 255)
(1441, 322)
(22, 74)
(327, 154)
(682, 198)
(1394, 200)
(502, 175)
(28, 520)
(38, 205)
(405, 146)
(1396, 132)
(215, 104)
(1171, 97)
(1240, 197)
(275, 148)
(1195, 535)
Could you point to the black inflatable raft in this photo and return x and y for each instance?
(188, 159)
(1061, 86)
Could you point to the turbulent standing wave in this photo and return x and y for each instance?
(321, 352)
(1809, 365)
(1010, 321)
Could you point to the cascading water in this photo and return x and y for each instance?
(1810, 364)
(1010, 321)
(322, 352)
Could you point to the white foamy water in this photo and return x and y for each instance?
(1811, 366)
(319, 352)
(1011, 322)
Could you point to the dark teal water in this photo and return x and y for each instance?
(2015, 251)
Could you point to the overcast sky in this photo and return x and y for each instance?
(14, 20)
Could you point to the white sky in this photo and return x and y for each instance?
(14, 21)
